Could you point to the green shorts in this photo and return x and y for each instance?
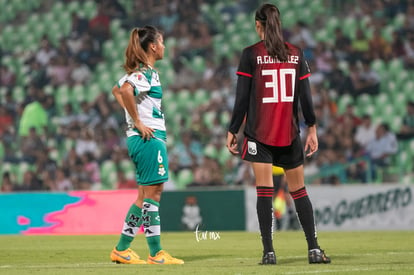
(150, 159)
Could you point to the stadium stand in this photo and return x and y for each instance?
(198, 75)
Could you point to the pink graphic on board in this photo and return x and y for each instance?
(22, 220)
(98, 212)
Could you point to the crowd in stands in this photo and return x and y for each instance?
(65, 145)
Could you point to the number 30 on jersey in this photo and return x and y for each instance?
(286, 93)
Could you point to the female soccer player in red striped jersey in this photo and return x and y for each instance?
(272, 80)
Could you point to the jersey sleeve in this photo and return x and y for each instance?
(305, 92)
(245, 66)
(139, 82)
(241, 104)
(304, 71)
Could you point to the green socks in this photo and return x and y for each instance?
(132, 223)
(150, 218)
(152, 225)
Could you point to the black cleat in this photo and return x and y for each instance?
(269, 258)
(318, 256)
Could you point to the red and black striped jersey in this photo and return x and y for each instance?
(268, 93)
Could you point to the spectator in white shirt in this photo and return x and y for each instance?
(381, 148)
(365, 132)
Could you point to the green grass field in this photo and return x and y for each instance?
(233, 253)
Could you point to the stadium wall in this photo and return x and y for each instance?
(354, 207)
(348, 207)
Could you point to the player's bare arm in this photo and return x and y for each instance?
(117, 94)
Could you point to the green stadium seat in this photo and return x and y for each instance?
(170, 108)
(170, 139)
(343, 101)
(349, 26)
(399, 102)
(115, 25)
(20, 169)
(395, 67)
(200, 97)
(405, 161)
(344, 66)
(364, 100)
(67, 145)
(323, 35)
(105, 81)
(208, 118)
(89, 8)
(19, 94)
(224, 119)
(183, 178)
(398, 21)
(198, 64)
(317, 7)
(379, 66)
(223, 155)
(389, 116)
(92, 92)
(58, 8)
(387, 32)
(412, 147)
(62, 96)
(1, 150)
(110, 181)
(54, 154)
(236, 42)
(210, 151)
(289, 18)
(381, 100)
(108, 49)
(127, 165)
(79, 94)
(108, 171)
(183, 99)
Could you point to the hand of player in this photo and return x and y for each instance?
(311, 145)
(232, 143)
(146, 132)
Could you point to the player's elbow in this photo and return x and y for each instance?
(126, 91)
(115, 90)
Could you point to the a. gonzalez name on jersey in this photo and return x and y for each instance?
(266, 59)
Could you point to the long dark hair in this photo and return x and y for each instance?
(269, 16)
(136, 51)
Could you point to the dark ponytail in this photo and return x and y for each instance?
(269, 16)
(136, 51)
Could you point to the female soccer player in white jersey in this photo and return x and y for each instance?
(139, 92)
(272, 80)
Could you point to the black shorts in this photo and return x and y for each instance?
(287, 157)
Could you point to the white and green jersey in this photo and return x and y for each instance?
(148, 94)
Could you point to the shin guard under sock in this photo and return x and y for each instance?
(304, 211)
(264, 209)
(131, 225)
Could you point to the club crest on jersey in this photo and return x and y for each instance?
(161, 170)
(252, 148)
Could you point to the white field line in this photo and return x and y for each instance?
(335, 255)
(102, 264)
(73, 265)
(319, 271)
